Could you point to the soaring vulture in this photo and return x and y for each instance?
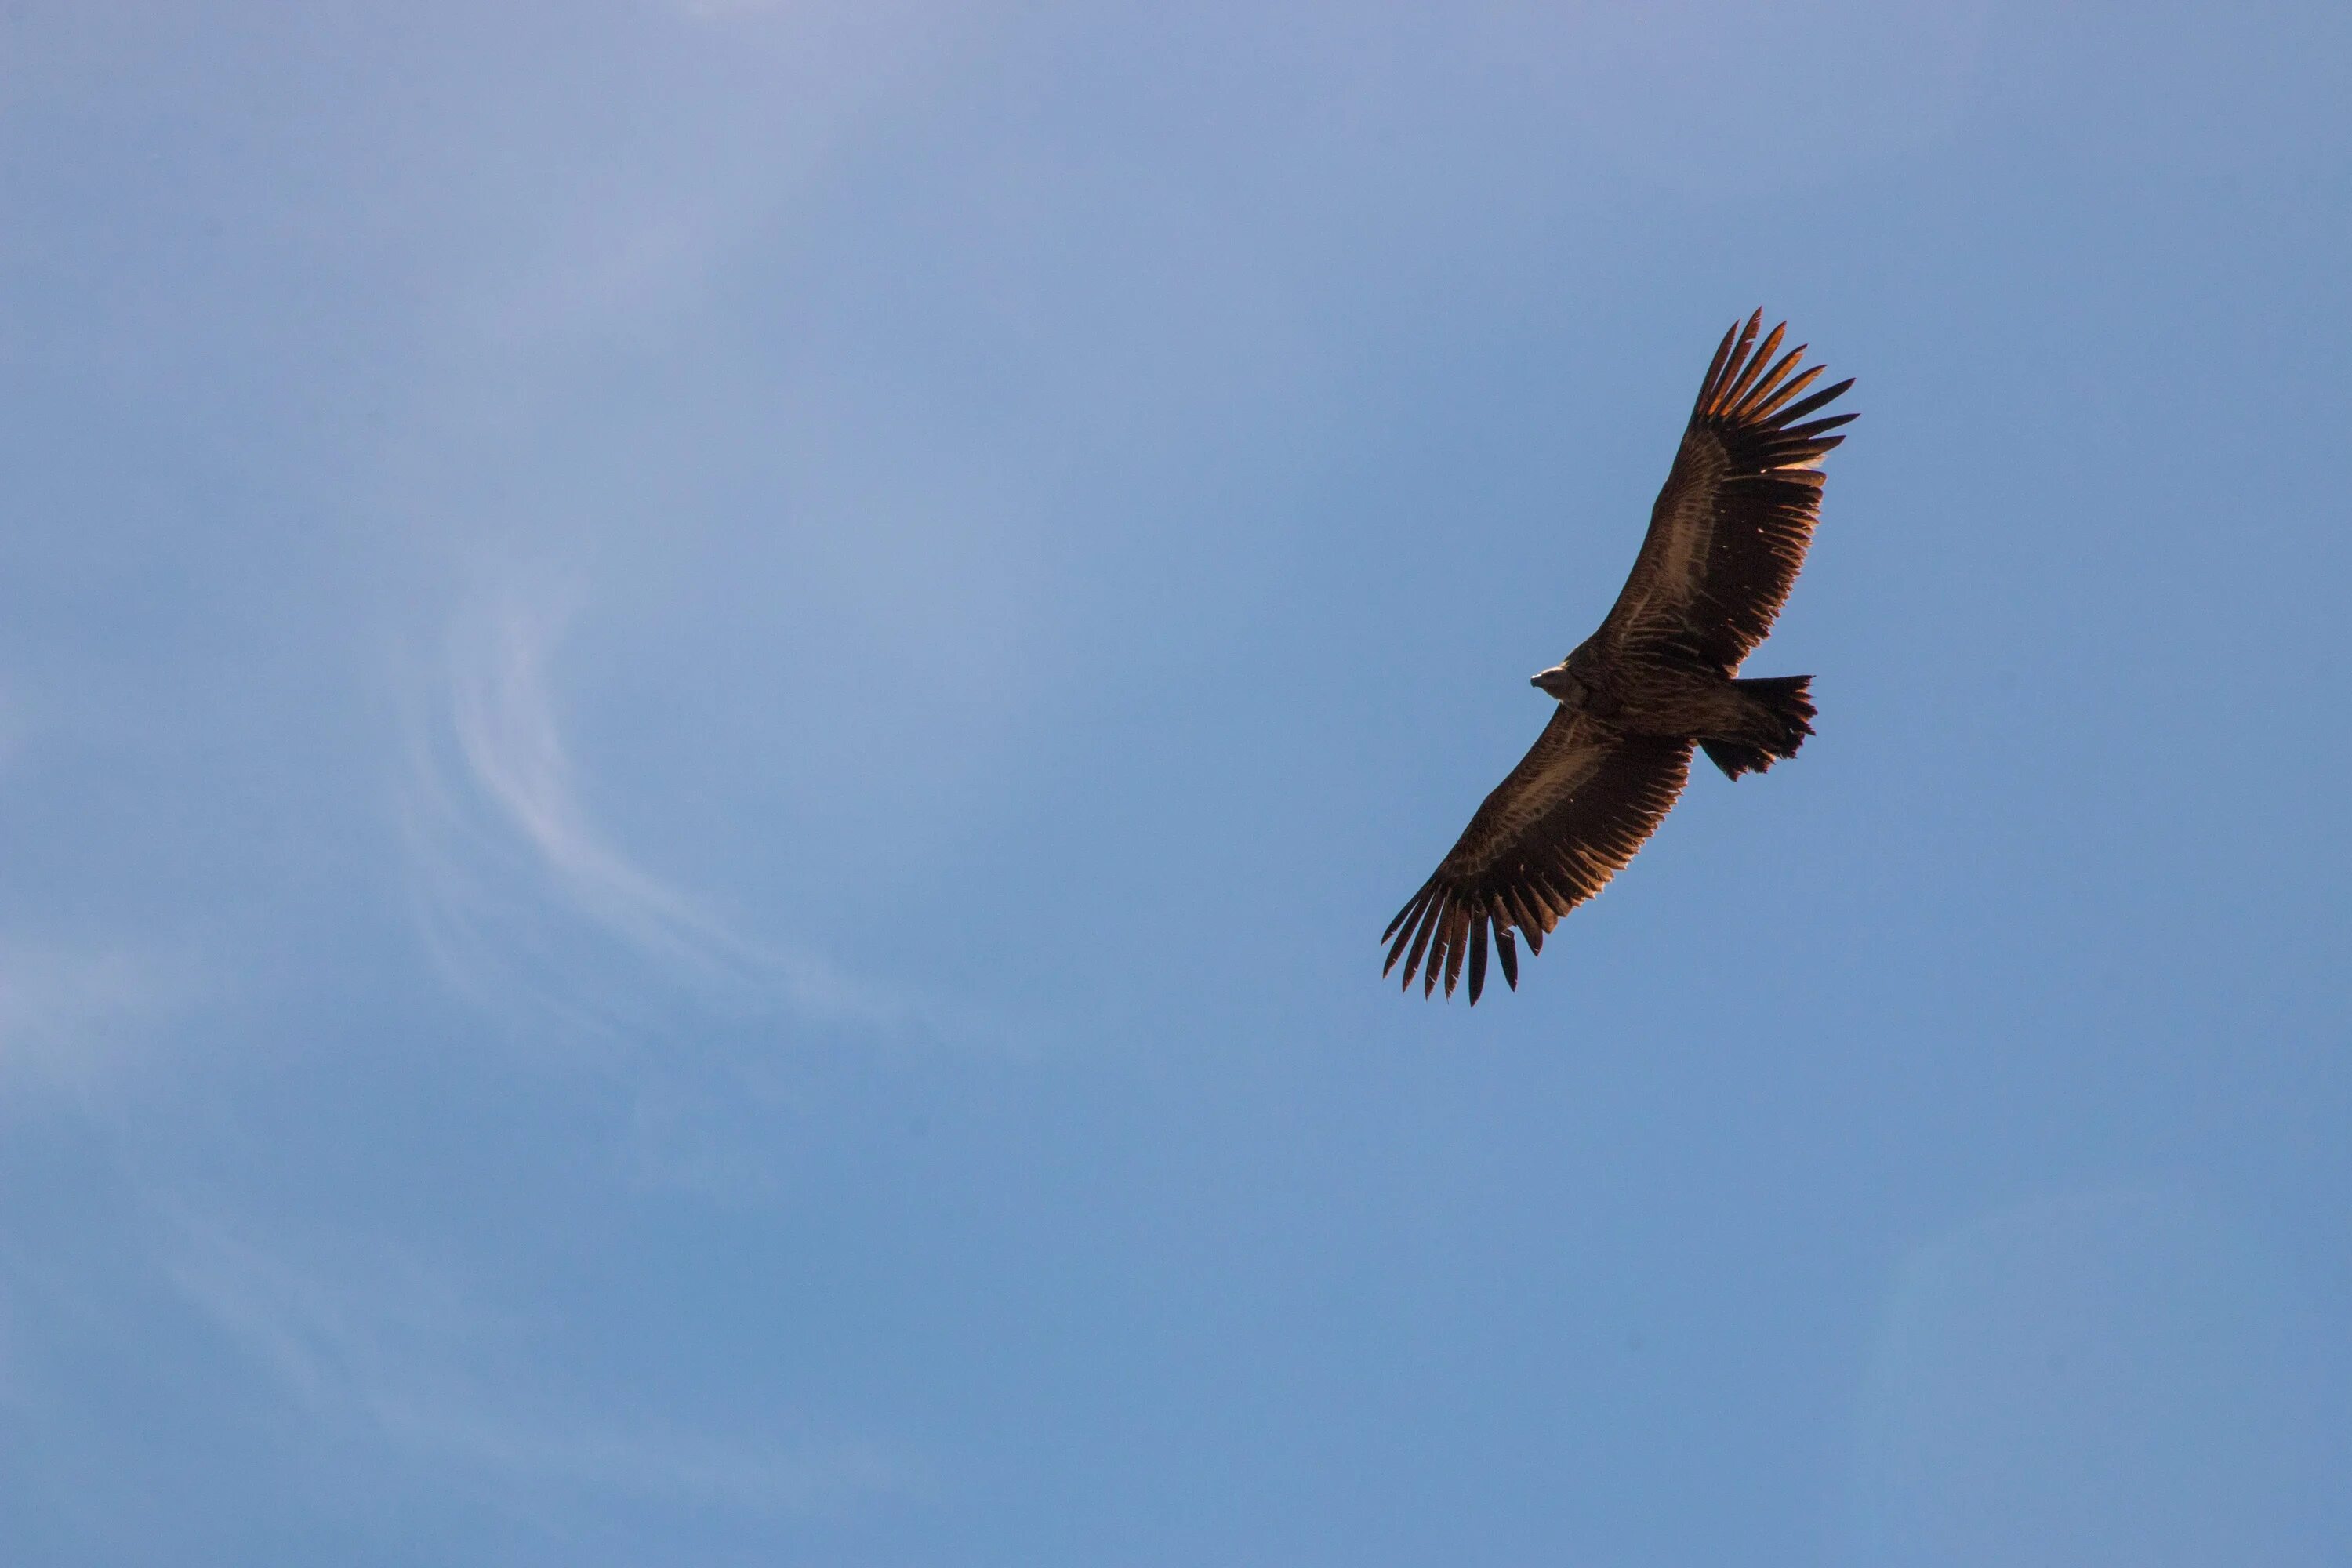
(1726, 537)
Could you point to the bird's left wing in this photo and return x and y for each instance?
(1551, 836)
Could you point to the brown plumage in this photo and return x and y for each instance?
(1726, 537)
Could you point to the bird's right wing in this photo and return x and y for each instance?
(1730, 527)
(1551, 836)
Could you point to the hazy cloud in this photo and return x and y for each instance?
(379, 1348)
(67, 1008)
(2069, 1380)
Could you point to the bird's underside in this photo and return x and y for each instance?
(1659, 679)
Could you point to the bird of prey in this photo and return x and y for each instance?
(1726, 536)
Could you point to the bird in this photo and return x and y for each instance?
(1726, 537)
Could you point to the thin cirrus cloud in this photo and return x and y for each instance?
(385, 1354)
(70, 1010)
(523, 899)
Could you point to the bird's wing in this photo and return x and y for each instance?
(1550, 837)
(1730, 529)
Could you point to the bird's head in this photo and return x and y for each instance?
(1559, 682)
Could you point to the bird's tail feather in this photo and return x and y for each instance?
(1782, 709)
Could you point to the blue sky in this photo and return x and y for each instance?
(706, 710)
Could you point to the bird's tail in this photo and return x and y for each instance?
(1778, 715)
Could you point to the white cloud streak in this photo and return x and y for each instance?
(511, 871)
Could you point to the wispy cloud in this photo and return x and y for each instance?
(502, 717)
(721, 10)
(728, 139)
(68, 1008)
(378, 1348)
(521, 893)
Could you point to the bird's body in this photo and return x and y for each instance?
(1663, 693)
(1659, 678)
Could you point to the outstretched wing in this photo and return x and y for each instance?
(1730, 528)
(1551, 836)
